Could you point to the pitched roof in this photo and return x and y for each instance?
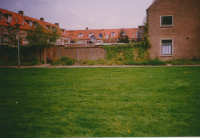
(96, 32)
(18, 18)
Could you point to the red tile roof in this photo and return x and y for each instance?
(75, 33)
(18, 18)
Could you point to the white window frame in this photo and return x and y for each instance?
(9, 18)
(107, 36)
(90, 34)
(80, 35)
(113, 34)
(166, 25)
(172, 46)
(31, 23)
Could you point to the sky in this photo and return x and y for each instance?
(79, 14)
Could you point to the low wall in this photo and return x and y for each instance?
(79, 45)
(78, 53)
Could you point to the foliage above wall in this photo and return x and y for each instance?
(130, 51)
(9, 37)
(41, 37)
(123, 37)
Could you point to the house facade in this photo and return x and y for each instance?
(174, 29)
(8, 17)
(101, 35)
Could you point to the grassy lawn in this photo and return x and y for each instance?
(100, 102)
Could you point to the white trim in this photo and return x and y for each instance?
(172, 50)
(167, 25)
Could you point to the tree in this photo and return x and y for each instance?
(40, 37)
(122, 37)
(10, 38)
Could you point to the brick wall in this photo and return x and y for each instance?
(84, 53)
(185, 33)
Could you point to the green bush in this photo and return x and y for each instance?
(69, 62)
(64, 61)
(91, 63)
(148, 62)
(132, 62)
(100, 61)
(64, 58)
(42, 61)
(84, 62)
(32, 59)
(183, 61)
(154, 62)
(57, 62)
(120, 59)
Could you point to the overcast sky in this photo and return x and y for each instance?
(79, 14)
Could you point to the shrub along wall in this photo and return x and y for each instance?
(28, 54)
(131, 51)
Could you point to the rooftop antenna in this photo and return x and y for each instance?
(92, 39)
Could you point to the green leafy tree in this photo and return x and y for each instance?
(40, 37)
(122, 37)
(145, 41)
(10, 37)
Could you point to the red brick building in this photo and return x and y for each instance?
(174, 29)
(8, 17)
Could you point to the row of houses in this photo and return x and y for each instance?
(10, 18)
(67, 36)
(101, 35)
(173, 29)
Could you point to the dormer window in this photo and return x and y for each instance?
(9, 19)
(80, 35)
(100, 35)
(113, 34)
(124, 34)
(90, 34)
(49, 27)
(63, 31)
(29, 22)
(35, 23)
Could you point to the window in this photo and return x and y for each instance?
(31, 23)
(166, 21)
(124, 34)
(112, 34)
(89, 34)
(106, 36)
(166, 47)
(100, 35)
(9, 19)
(80, 35)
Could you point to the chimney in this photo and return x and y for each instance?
(86, 28)
(21, 13)
(57, 24)
(42, 19)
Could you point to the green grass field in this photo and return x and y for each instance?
(100, 102)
